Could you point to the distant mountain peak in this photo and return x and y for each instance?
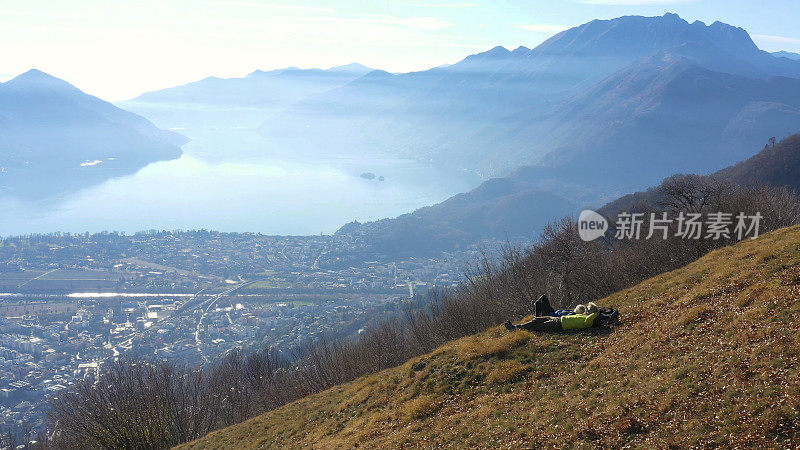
(35, 73)
(53, 128)
(498, 51)
(639, 36)
(35, 78)
(260, 73)
(352, 68)
(486, 59)
(378, 74)
(788, 55)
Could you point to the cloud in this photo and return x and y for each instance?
(544, 28)
(776, 39)
(634, 2)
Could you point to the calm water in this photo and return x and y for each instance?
(233, 180)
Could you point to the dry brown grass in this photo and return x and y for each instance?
(505, 372)
(707, 356)
(419, 408)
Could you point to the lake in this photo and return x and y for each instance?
(232, 179)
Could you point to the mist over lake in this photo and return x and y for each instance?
(232, 179)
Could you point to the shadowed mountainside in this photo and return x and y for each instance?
(776, 165)
(500, 208)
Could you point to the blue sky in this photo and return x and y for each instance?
(117, 49)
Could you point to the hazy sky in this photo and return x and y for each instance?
(117, 49)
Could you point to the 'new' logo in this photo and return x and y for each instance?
(591, 225)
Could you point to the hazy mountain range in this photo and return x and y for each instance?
(593, 112)
(271, 88)
(55, 138)
(239, 102)
(606, 95)
(692, 108)
(596, 111)
(785, 54)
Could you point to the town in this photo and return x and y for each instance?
(72, 303)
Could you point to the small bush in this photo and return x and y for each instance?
(498, 346)
(419, 408)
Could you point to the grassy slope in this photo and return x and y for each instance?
(707, 354)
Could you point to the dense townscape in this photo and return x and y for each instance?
(71, 303)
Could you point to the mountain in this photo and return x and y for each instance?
(260, 88)
(238, 103)
(499, 110)
(788, 55)
(515, 207)
(705, 356)
(57, 138)
(778, 164)
(500, 208)
(660, 116)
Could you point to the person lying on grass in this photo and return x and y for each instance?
(542, 308)
(581, 318)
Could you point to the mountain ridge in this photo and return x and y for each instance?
(253, 89)
(453, 115)
(788, 55)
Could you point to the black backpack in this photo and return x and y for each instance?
(609, 316)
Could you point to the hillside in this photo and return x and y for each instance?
(706, 355)
(56, 138)
(500, 208)
(778, 165)
(668, 112)
(775, 165)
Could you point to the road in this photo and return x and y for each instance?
(36, 278)
(209, 304)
